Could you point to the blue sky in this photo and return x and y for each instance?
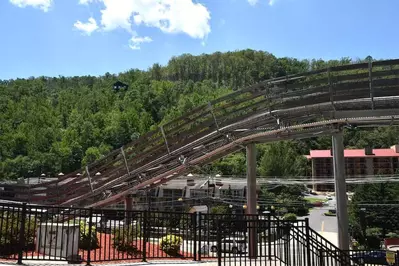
(91, 37)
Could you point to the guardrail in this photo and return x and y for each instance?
(276, 103)
(76, 235)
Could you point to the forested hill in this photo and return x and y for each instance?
(56, 124)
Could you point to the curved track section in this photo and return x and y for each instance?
(297, 106)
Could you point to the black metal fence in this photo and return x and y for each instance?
(360, 257)
(30, 232)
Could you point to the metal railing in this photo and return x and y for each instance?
(361, 257)
(31, 232)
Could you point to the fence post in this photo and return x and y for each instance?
(321, 259)
(199, 226)
(219, 243)
(90, 236)
(145, 221)
(269, 235)
(22, 234)
(308, 242)
(194, 216)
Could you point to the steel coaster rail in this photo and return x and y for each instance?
(282, 103)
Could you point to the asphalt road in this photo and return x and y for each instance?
(321, 223)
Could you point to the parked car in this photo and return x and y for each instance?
(377, 257)
(232, 244)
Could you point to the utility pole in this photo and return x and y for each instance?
(340, 190)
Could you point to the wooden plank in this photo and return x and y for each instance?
(386, 62)
(383, 73)
(387, 91)
(386, 82)
(350, 77)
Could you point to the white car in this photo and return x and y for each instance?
(232, 244)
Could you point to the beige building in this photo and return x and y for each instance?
(358, 163)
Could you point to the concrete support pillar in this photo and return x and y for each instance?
(340, 190)
(314, 186)
(251, 199)
(128, 209)
(392, 170)
(369, 166)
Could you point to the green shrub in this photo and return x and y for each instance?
(373, 237)
(290, 217)
(124, 238)
(373, 231)
(170, 244)
(84, 237)
(392, 235)
(10, 231)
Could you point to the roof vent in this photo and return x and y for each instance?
(395, 148)
(368, 151)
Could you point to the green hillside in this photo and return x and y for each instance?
(56, 124)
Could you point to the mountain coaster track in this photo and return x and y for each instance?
(299, 106)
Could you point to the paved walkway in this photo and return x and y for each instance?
(330, 236)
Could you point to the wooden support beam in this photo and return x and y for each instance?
(124, 158)
(164, 138)
(89, 178)
(213, 115)
(371, 82)
(331, 88)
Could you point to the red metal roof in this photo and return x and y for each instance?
(354, 153)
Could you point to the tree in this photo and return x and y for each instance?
(281, 159)
(373, 206)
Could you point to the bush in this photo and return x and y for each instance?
(84, 237)
(10, 229)
(290, 217)
(124, 239)
(373, 236)
(392, 235)
(170, 244)
(373, 231)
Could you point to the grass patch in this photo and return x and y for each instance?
(315, 200)
(330, 214)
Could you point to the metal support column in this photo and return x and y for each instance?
(128, 209)
(251, 199)
(340, 190)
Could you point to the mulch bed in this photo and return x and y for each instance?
(106, 253)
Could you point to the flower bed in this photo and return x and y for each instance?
(106, 253)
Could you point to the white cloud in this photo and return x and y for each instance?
(272, 2)
(42, 4)
(134, 42)
(87, 27)
(85, 2)
(170, 16)
(252, 2)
